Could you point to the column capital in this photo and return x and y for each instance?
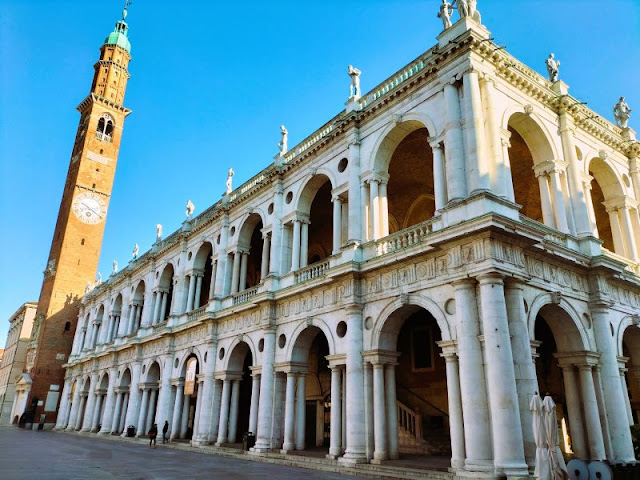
(449, 349)
(464, 283)
(494, 278)
(354, 309)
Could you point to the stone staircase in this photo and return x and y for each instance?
(413, 439)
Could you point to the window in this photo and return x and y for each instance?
(105, 128)
(67, 326)
(421, 349)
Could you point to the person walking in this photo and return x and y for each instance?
(165, 429)
(153, 433)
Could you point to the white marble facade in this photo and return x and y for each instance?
(248, 286)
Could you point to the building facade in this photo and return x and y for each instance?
(77, 239)
(403, 280)
(13, 360)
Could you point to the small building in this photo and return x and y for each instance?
(13, 358)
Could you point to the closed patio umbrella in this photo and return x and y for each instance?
(543, 471)
(558, 469)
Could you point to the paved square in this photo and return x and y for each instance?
(33, 455)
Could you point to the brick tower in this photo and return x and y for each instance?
(77, 240)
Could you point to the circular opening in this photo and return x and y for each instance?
(450, 306)
(270, 208)
(368, 323)
(221, 353)
(289, 197)
(176, 363)
(218, 240)
(205, 356)
(233, 231)
(282, 340)
(625, 179)
(261, 345)
(341, 329)
(342, 165)
(190, 255)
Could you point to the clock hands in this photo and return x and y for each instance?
(100, 216)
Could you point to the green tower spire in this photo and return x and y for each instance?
(119, 35)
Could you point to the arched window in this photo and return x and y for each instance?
(105, 128)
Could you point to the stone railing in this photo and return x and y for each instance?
(196, 313)
(398, 79)
(631, 265)
(313, 271)
(409, 426)
(550, 234)
(311, 140)
(400, 240)
(103, 137)
(244, 296)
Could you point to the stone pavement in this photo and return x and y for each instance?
(39, 455)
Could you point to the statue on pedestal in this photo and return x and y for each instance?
(190, 208)
(621, 112)
(158, 232)
(467, 8)
(463, 7)
(230, 175)
(88, 288)
(136, 249)
(283, 142)
(446, 9)
(114, 268)
(354, 89)
(99, 278)
(553, 66)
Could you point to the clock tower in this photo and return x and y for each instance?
(77, 239)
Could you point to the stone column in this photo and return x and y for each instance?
(205, 398)
(590, 211)
(142, 418)
(243, 271)
(115, 419)
(591, 414)
(495, 163)
(177, 411)
(156, 307)
(233, 413)
(472, 380)
(356, 213)
(365, 196)
(508, 448)
(301, 406)
(604, 421)
(221, 266)
(255, 398)
(455, 166)
(335, 442)
(616, 231)
(153, 398)
(123, 414)
(625, 393)
(558, 202)
(374, 208)
(304, 243)
(277, 232)
(214, 271)
(525, 369)
(265, 405)
(107, 418)
(295, 247)
(383, 223)
(289, 412)
(478, 168)
(223, 425)
(81, 412)
(380, 426)
(456, 423)
(163, 306)
(138, 317)
(94, 334)
(134, 397)
(196, 300)
(235, 276)
(356, 447)
(89, 408)
(439, 177)
(368, 409)
(195, 433)
(610, 375)
(215, 411)
(64, 405)
(191, 291)
(184, 417)
(574, 412)
(392, 409)
(627, 232)
(337, 224)
(266, 247)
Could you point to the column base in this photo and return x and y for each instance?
(479, 466)
(259, 450)
(514, 470)
(104, 432)
(219, 444)
(200, 441)
(351, 458)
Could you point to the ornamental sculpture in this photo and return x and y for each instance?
(190, 208)
(553, 66)
(621, 112)
(283, 142)
(354, 89)
(158, 232)
(446, 9)
(114, 268)
(136, 249)
(467, 8)
(230, 175)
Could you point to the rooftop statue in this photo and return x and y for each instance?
(283, 142)
(445, 13)
(467, 8)
(114, 268)
(190, 208)
(552, 67)
(158, 232)
(230, 175)
(354, 89)
(621, 112)
(136, 249)
(99, 278)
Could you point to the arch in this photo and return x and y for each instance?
(117, 304)
(308, 192)
(185, 358)
(104, 381)
(538, 130)
(606, 177)
(86, 384)
(236, 353)
(383, 333)
(564, 332)
(303, 335)
(125, 378)
(626, 327)
(249, 224)
(165, 280)
(393, 134)
(138, 293)
(205, 251)
(105, 128)
(153, 373)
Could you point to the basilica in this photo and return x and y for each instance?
(400, 283)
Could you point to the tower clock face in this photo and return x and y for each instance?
(89, 207)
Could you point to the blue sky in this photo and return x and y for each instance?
(212, 82)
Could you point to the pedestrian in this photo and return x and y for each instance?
(165, 429)
(153, 433)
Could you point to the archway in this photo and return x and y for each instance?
(149, 400)
(122, 391)
(313, 227)
(203, 264)
(186, 400)
(250, 243)
(605, 190)
(631, 378)
(562, 368)
(100, 403)
(164, 295)
(529, 151)
(84, 395)
(237, 411)
(418, 422)
(137, 304)
(116, 312)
